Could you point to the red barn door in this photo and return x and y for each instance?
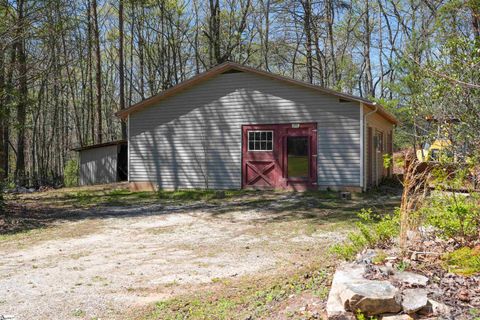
(279, 156)
(260, 157)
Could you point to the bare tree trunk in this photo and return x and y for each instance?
(91, 109)
(3, 119)
(330, 17)
(121, 66)
(98, 71)
(20, 174)
(266, 32)
(366, 52)
(141, 57)
(307, 25)
(6, 100)
(214, 33)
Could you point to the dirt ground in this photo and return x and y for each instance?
(102, 262)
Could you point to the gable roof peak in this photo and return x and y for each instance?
(229, 65)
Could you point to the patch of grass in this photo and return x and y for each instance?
(252, 299)
(373, 231)
(79, 255)
(21, 234)
(113, 197)
(403, 265)
(200, 194)
(475, 313)
(380, 257)
(160, 230)
(464, 261)
(81, 197)
(79, 313)
(310, 229)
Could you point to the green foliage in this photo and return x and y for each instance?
(380, 257)
(70, 173)
(387, 160)
(454, 216)
(360, 316)
(475, 313)
(403, 265)
(444, 178)
(373, 230)
(465, 261)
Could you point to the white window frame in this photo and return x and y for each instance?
(248, 140)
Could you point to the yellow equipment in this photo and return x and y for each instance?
(432, 152)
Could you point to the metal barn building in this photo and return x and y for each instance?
(237, 127)
(103, 163)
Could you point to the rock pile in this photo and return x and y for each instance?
(381, 291)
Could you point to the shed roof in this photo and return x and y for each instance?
(101, 145)
(228, 66)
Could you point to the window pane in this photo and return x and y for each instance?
(297, 156)
(260, 140)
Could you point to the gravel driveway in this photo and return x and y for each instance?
(118, 258)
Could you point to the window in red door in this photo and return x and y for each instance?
(298, 157)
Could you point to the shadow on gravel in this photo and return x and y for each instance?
(272, 207)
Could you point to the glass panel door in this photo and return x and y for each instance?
(297, 157)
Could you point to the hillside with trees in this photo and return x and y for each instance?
(67, 67)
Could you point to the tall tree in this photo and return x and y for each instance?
(20, 174)
(121, 66)
(3, 122)
(98, 70)
(91, 108)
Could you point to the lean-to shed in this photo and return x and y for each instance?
(103, 163)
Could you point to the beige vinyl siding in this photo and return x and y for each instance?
(193, 139)
(98, 165)
(377, 123)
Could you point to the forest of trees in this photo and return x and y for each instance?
(67, 66)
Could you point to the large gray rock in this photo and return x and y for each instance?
(411, 278)
(371, 297)
(414, 300)
(434, 308)
(344, 274)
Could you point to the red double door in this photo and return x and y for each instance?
(279, 156)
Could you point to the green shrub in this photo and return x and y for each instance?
(387, 160)
(465, 261)
(70, 173)
(373, 230)
(454, 217)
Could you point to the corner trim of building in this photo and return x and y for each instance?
(128, 148)
(362, 148)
